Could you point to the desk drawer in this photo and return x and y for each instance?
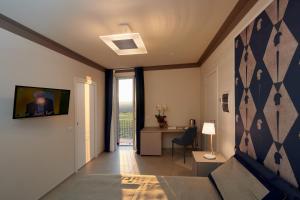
(151, 143)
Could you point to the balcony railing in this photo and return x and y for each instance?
(126, 128)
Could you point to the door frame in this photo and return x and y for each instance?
(121, 76)
(216, 121)
(96, 135)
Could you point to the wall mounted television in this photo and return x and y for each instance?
(40, 102)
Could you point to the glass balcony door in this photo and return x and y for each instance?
(126, 114)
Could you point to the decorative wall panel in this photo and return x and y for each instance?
(267, 89)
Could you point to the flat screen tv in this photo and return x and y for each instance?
(40, 102)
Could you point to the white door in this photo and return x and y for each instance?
(85, 123)
(211, 106)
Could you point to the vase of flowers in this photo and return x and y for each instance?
(160, 116)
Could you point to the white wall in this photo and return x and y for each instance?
(36, 154)
(223, 61)
(179, 89)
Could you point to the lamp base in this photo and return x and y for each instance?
(209, 156)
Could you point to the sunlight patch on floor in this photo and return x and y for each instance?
(128, 162)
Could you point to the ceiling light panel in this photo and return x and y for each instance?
(125, 44)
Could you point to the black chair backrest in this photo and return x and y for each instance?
(189, 135)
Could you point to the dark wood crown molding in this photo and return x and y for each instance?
(236, 15)
(124, 70)
(160, 67)
(168, 67)
(21, 30)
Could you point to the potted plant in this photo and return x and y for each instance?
(160, 116)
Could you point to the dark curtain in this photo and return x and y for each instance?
(140, 105)
(108, 107)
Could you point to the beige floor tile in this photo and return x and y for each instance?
(126, 161)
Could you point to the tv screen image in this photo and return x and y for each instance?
(40, 102)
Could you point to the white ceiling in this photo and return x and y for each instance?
(174, 31)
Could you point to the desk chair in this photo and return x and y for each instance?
(186, 139)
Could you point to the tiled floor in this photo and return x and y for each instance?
(126, 161)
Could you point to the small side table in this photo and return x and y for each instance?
(202, 166)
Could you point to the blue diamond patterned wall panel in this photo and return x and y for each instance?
(267, 89)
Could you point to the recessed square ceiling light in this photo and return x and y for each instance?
(125, 44)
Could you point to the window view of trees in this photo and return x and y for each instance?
(126, 118)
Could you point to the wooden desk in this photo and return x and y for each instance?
(151, 139)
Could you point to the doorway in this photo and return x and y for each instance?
(85, 107)
(126, 111)
(211, 106)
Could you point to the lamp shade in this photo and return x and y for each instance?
(208, 128)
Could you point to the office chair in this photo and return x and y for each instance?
(186, 139)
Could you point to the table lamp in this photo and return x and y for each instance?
(209, 129)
